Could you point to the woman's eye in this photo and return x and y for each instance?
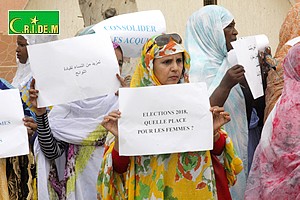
(167, 62)
(179, 60)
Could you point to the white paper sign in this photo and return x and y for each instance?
(13, 133)
(74, 69)
(131, 31)
(246, 50)
(165, 119)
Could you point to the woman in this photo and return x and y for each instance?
(275, 172)
(16, 173)
(163, 61)
(209, 32)
(23, 75)
(289, 29)
(70, 144)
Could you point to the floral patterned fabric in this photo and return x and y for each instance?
(289, 30)
(168, 176)
(275, 172)
(232, 163)
(144, 75)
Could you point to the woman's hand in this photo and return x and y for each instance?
(220, 117)
(266, 62)
(123, 82)
(31, 125)
(127, 80)
(233, 76)
(33, 95)
(110, 122)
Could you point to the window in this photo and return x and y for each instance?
(209, 2)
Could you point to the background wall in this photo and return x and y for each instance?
(176, 12)
(70, 16)
(7, 43)
(258, 17)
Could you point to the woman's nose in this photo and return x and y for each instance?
(175, 66)
(235, 32)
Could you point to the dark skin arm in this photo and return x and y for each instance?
(233, 76)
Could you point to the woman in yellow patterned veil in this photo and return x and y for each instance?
(186, 175)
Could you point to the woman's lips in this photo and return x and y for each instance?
(174, 77)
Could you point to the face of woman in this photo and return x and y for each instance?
(21, 50)
(230, 35)
(168, 69)
(119, 55)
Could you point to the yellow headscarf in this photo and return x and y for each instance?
(144, 75)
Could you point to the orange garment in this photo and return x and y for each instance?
(289, 30)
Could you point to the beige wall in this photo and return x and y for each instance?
(258, 17)
(176, 12)
(93, 10)
(70, 16)
(252, 17)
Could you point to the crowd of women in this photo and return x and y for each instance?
(75, 146)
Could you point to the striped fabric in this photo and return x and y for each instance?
(51, 147)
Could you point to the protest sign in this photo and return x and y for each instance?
(13, 133)
(74, 69)
(131, 31)
(246, 50)
(165, 119)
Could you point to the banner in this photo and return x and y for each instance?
(131, 31)
(13, 133)
(165, 119)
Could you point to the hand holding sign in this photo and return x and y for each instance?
(30, 124)
(110, 122)
(220, 117)
(233, 76)
(33, 96)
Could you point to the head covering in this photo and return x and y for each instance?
(144, 74)
(86, 30)
(290, 29)
(275, 172)
(23, 74)
(206, 43)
